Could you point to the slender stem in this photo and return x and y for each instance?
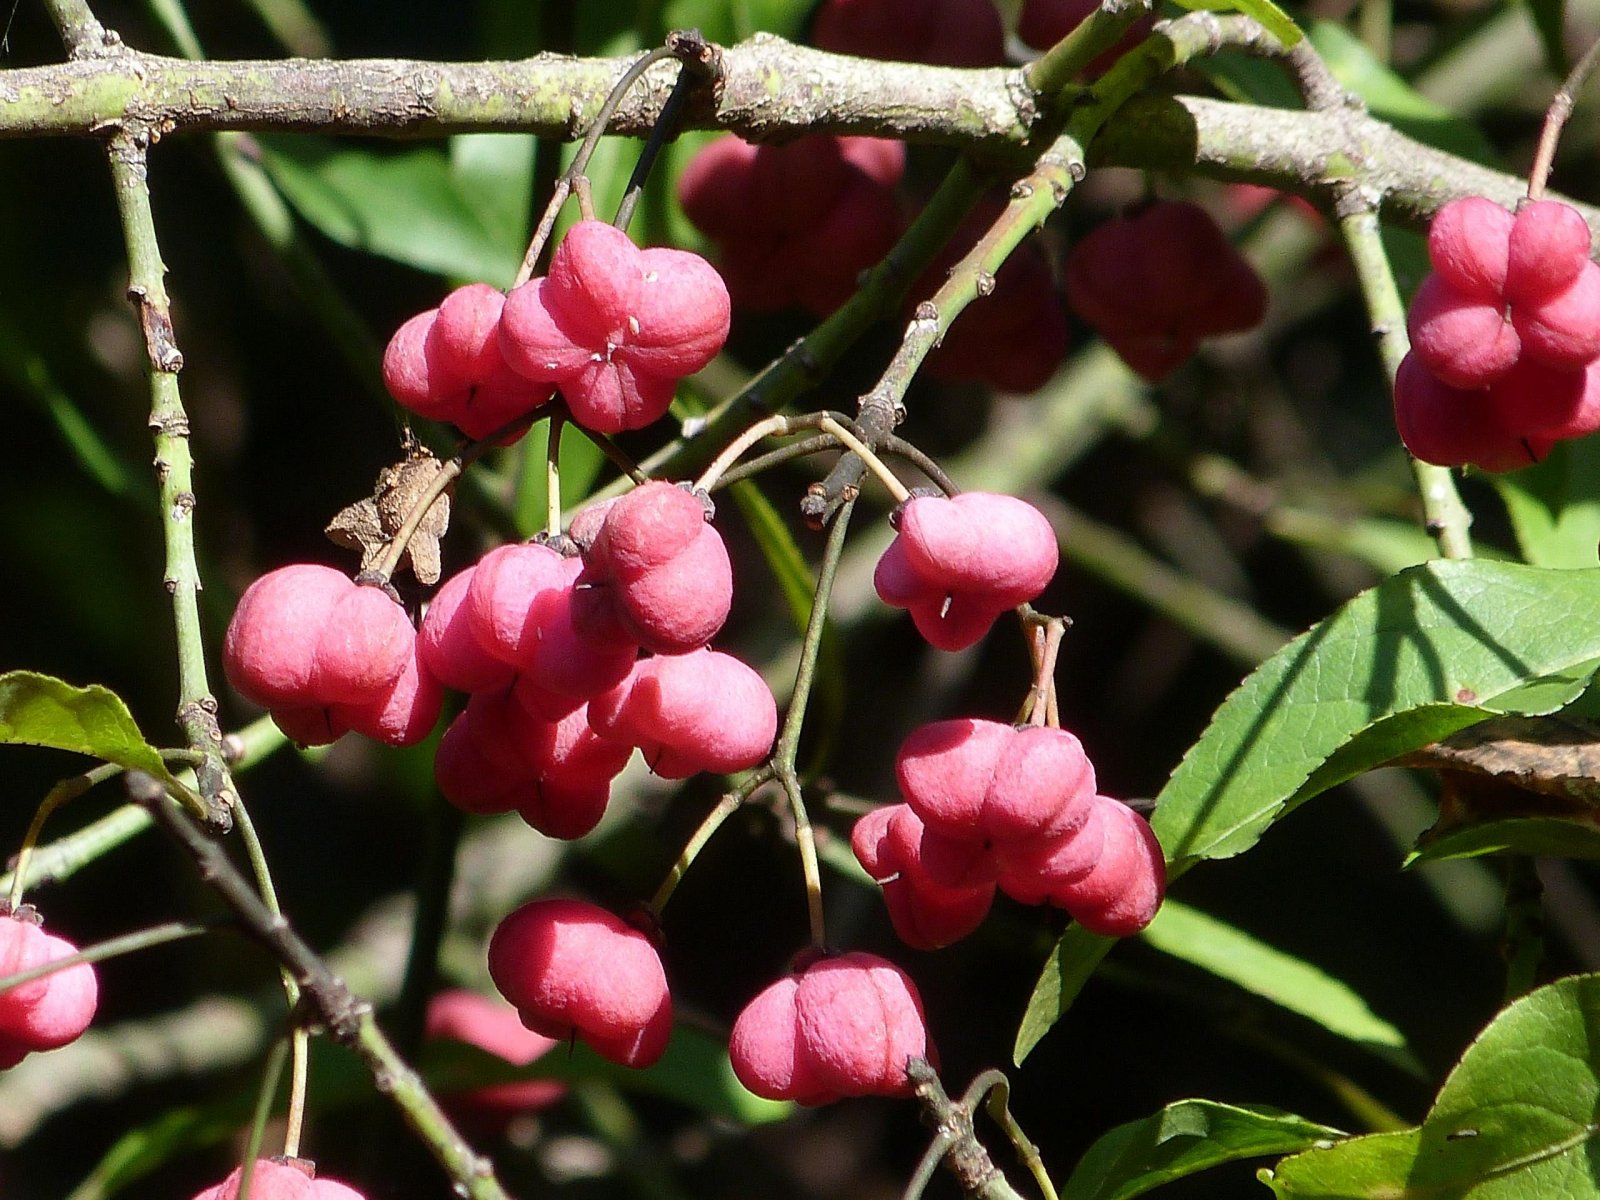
(699, 61)
(299, 1042)
(348, 1018)
(998, 1089)
(1044, 686)
(773, 458)
(265, 1099)
(197, 707)
(1555, 120)
(617, 456)
(67, 789)
(1447, 517)
(788, 745)
(1098, 32)
(958, 1145)
(729, 804)
(901, 448)
(128, 943)
(773, 426)
(855, 445)
(568, 181)
(552, 475)
(1033, 199)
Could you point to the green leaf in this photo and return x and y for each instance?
(1560, 837)
(1392, 99)
(1182, 1139)
(1065, 972)
(1516, 1119)
(41, 710)
(494, 174)
(1274, 19)
(1422, 655)
(1555, 505)
(1550, 19)
(406, 205)
(1234, 955)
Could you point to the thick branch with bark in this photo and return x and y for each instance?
(770, 89)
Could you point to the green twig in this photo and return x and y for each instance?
(1448, 520)
(956, 1144)
(128, 943)
(1555, 120)
(726, 806)
(197, 707)
(67, 789)
(347, 1018)
(786, 750)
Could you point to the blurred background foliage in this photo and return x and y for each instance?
(1203, 522)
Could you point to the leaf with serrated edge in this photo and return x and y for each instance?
(1183, 1139)
(1384, 675)
(1430, 651)
(1516, 1119)
(41, 710)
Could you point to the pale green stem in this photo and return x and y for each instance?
(876, 465)
(258, 1121)
(298, 1039)
(552, 476)
(1446, 517)
(788, 745)
(128, 943)
(729, 804)
(67, 789)
(174, 469)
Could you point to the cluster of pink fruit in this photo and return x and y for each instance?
(612, 326)
(990, 805)
(548, 646)
(49, 1011)
(796, 225)
(575, 650)
(1505, 337)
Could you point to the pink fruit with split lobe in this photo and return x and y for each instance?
(572, 969)
(961, 561)
(842, 1026)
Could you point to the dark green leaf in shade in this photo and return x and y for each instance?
(1550, 19)
(1516, 1119)
(1563, 837)
(407, 205)
(1183, 1139)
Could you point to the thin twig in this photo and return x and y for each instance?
(698, 61)
(348, 1019)
(1555, 120)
